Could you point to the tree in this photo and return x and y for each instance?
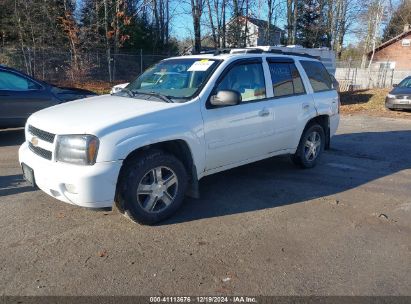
(292, 16)
(373, 15)
(196, 13)
(311, 29)
(401, 17)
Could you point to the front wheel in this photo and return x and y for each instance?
(152, 187)
(311, 146)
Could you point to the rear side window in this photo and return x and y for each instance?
(286, 79)
(317, 74)
(13, 82)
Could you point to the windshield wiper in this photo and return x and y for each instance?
(158, 95)
(128, 91)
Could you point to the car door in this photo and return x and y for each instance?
(291, 105)
(238, 133)
(324, 93)
(20, 97)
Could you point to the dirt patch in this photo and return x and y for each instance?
(370, 102)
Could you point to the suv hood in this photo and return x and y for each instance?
(88, 116)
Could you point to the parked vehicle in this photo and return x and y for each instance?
(400, 96)
(22, 95)
(147, 146)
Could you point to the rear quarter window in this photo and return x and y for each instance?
(318, 75)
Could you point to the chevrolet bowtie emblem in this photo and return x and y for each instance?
(34, 141)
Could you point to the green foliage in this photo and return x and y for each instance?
(311, 24)
(401, 16)
(32, 24)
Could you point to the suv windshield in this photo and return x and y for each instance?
(173, 78)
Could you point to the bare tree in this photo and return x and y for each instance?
(292, 16)
(372, 16)
(196, 12)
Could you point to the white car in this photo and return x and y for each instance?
(148, 145)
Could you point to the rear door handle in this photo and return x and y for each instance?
(263, 113)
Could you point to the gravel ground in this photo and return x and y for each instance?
(342, 228)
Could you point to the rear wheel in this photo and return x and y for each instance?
(310, 148)
(152, 187)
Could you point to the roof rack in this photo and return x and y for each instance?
(274, 51)
(255, 51)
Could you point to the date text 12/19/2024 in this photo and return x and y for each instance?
(203, 299)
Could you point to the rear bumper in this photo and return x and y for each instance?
(86, 186)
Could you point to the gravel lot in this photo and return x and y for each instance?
(342, 228)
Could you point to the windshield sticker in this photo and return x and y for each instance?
(201, 65)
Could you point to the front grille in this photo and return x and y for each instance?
(403, 97)
(46, 136)
(40, 151)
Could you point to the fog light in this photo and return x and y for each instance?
(70, 188)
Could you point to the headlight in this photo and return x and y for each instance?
(391, 96)
(77, 149)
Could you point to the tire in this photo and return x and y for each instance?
(303, 158)
(152, 187)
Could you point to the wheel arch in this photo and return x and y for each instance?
(178, 148)
(324, 122)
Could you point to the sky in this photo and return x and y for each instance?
(181, 20)
(182, 26)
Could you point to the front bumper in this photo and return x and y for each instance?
(86, 186)
(393, 103)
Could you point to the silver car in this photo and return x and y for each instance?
(400, 96)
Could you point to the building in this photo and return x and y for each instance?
(394, 53)
(258, 32)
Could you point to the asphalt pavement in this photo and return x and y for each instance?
(269, 228)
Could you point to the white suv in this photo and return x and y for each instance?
(147, 146)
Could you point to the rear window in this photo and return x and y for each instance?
(286, 79)
(317, 74)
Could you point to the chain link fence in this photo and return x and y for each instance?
(65, 67)
(353, 76)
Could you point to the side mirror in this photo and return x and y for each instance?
(226, 98)
(395, 85)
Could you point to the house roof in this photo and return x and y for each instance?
(259, 23)
(391, 41)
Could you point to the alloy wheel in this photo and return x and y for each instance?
(312, 146)
(157, 189)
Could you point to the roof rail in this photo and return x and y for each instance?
(222, 51)
(256, 51)
(235, 51)
(273, 51)
(247, 51)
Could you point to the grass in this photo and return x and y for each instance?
(370, 102)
